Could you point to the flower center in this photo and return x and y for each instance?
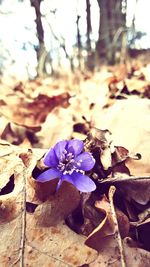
(67, 163)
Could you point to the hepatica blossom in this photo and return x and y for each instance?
(67, 161)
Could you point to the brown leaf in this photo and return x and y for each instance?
(106, 158)
(58, 206)
(134, 256)
(105, 232)
(112, 250)
(32, 112)
(136, 84)
(8, 163)
(121, 154)
(56, 245)
(12, 210)
(98, 143)
(55, 127)
(132, 187)
(142, 228)
(129, 121)
(16, 134)
(86, 217)
(25, 238)
(106, 238)
(37, 192)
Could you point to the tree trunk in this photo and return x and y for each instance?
(41, 51)
(111, 29)
(79, 41)
(88, 23)
(90, 60)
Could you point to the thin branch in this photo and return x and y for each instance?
(22, 243)
(23, 224)
(117, 233)
(124, 179)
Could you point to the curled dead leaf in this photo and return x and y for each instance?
(41, 191)
(132, 187)
(106, 228)
(58, 206)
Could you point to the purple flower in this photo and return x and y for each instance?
(68, 163)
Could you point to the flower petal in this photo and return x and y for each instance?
(50, 158)
(48, 175)
(59, 148)
(77, 146)
(82, 182)
(85, 161)
(65, 177)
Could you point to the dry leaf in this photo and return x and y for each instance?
(129, 121)
(133, 256)
(112, 250)
(58, 125)
(26, 240)
(106, 237)
(32, 112)
(106, 229)
(132, 187)
(58, 206)
(32, 214)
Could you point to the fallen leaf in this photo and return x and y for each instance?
(106, 238)
(132, 187)
(40, 236)
(128, 121)
(32, 112)
(55, 128)
(134, 256)
(106, 229)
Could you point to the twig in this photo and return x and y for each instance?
(23, 224)
(123, 179)
(117, 233)
(22, 243)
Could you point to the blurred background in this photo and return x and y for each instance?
(40, 38)
(67, 66)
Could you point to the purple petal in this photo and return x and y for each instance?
(65, 177)
(77, 146)
(82, 182)
(60, 147)
(50, 158)
(85, 161)
(48, 175)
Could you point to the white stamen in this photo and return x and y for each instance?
(68, 165)
(69, 154)
(72, 170)
(61, 166)
(81, 171)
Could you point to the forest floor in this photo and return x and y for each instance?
(110, 111)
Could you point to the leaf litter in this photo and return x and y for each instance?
(107, 227)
